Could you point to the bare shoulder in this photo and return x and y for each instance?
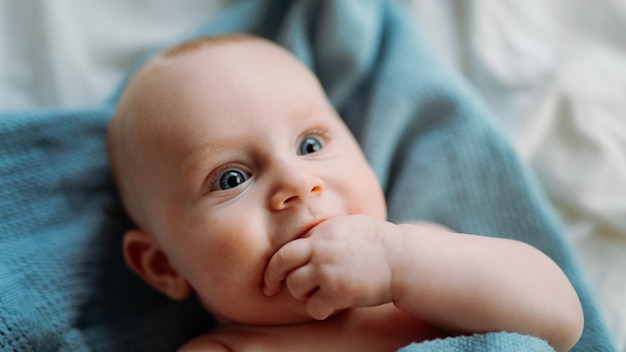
(204, 343)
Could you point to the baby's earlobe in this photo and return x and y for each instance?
(145, 257)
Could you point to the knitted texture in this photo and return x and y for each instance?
(491, 342)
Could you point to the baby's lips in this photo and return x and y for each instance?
(309, 229)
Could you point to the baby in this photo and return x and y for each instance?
(249, 191)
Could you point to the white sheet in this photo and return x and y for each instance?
(553, 72)
(69, 53)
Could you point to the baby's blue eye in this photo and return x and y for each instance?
(232, 178)
(310, 144)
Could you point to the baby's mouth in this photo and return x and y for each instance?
(306, 231)
(278, 275)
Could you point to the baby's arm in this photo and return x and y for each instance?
(456, 282)
(479, 284)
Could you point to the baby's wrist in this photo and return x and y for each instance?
(397, 253)
(410, 261)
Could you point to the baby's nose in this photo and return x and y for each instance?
(293, 185)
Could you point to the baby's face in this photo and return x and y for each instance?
(240, 153)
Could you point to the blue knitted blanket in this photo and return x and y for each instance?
(430, 140)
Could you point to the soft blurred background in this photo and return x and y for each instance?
(553, 72)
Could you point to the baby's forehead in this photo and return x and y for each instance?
(165, 92)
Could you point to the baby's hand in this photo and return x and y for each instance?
(343, 262)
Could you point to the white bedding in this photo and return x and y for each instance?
(554, 73)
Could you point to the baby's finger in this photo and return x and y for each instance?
(319, 306)
(291, 256)
(301, 282)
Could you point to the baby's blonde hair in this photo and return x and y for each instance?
(196, 44)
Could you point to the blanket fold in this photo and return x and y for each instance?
(429, 138)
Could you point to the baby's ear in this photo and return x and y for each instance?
(145, 257)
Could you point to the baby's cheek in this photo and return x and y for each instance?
(369, 204)
(374, 200)
(222, 280)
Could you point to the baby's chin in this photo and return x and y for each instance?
(281, 309)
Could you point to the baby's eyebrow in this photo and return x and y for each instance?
(207, 156)
(213, 148)
(201, 158)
